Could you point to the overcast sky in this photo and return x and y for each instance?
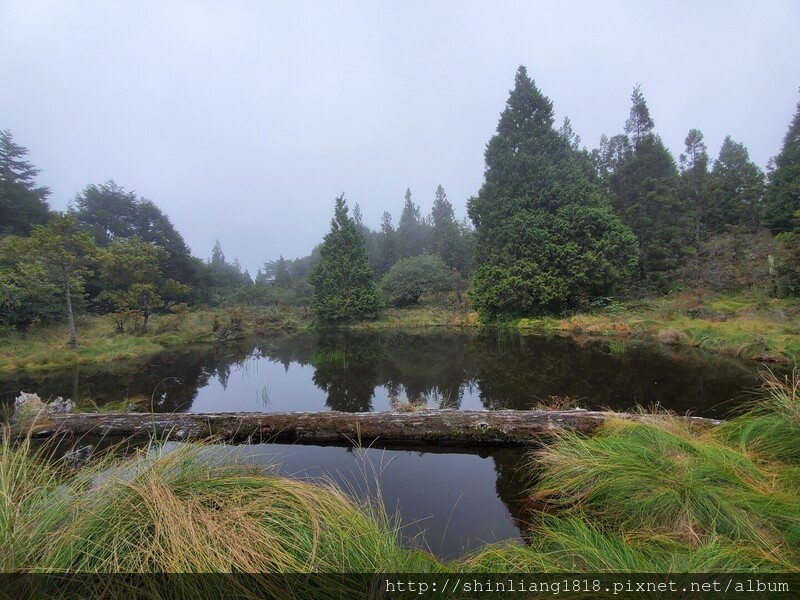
(243, 120)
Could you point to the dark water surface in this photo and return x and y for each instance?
(449, 502)
(366, 371)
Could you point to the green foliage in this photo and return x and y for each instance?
(695, 181)
(29, 292)
(342, 281)
(22, 204)
(644, 189)
(448, 238)
(783, 192)
(66, 254)
(133, 283)
(409, 278)
(545, 238)
(788, 263)
(108, 212)
(413, 232)
(224, 274)
(736, 189)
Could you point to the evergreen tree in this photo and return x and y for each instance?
(225, 274)
(22, 203)
(644, 192)
(386, 245)
(344, 289)
(639, 124)
(411, 230)
(107, 212)
(737, 189)
(446, 234)
(694, 179)
(783, 192)
(546, 239)
(283, 278)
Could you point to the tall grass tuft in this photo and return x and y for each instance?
(663, 496)
(180, 512)
(770, 428)
(176, 512)
(34, 502)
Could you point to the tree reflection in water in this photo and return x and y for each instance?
(358, 371)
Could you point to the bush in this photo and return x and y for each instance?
(409, 278)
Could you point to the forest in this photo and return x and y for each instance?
(555, 229)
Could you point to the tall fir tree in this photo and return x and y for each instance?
(411, 232)
(386, 245)
(344, 288)
(694, 180)
(639, 124)
(22, 203)
(736, 188)
(446, 235)
(644, 188)
(546, 238)
(782, 202)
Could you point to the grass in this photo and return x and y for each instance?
(45, 348)
(178, 511)
(762, 329)
(669, 497)
(749, 327)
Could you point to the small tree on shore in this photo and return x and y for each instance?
(66, 252)
(344, 289)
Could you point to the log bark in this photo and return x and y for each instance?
(451, 428)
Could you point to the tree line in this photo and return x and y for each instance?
(554, 227)
(558, 227)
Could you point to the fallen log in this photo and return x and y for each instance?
(430, 427)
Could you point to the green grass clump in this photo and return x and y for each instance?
(575, 544)
(667, 496)
(179, 511)
(642, 477)
(770, 428)
(32, 504)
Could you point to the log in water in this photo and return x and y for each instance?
(429, 427)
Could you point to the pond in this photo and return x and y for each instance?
(459, 501)
(364, 371)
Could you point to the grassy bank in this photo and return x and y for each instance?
(749, 327)
(46, 348)
(763, 329)
(633, 497)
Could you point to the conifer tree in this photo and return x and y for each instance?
(546, 239)
(446, 235)
(22, 203)
(694, 179)
(737, 189)
(782, 201)
(411, 229)
(344, 288)
(644, 188)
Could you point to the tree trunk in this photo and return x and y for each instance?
(73, 332)
(450, 428)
